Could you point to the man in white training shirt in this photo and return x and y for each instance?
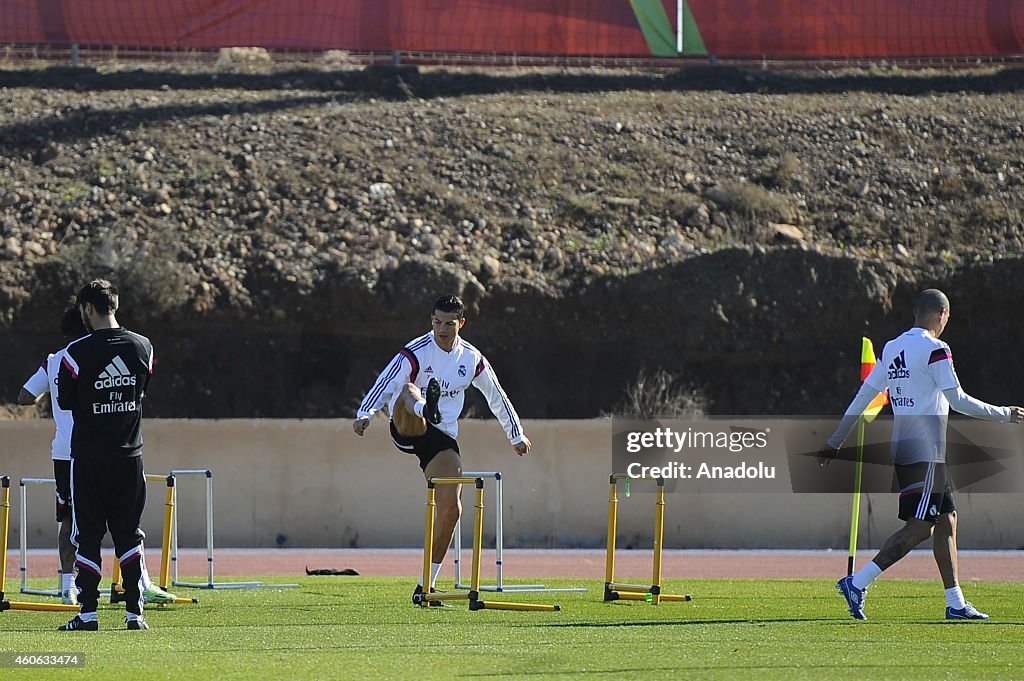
(443, 366)
(43, 381)
(917, 368)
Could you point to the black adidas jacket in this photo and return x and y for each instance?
(103, 378)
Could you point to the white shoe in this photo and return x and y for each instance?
(69, 597)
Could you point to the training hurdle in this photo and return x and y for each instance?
(5, 513)
(210, 583)
(616, 591)
(115, 590)
(499, 585)
(473, 595)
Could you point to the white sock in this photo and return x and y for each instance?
(67, 581)
(862, 578)
(144, 581)
(955, 598)
(418, 408)
(434, 569)
(88, 616)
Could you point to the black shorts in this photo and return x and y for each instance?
(925, 492)
(425, 446)
(62, 476)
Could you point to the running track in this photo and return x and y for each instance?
(1004, 566)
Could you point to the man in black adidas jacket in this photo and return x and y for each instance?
(103, 378)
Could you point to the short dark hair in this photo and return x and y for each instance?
(101, 294)
(451, 304)
(929, 302)
(71, 325)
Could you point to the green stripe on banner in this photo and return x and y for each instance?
(659, 31)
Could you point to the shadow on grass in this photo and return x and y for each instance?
(676, 623)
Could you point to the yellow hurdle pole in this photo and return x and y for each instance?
(632, 596)
(115, 580)
(613, 519)
(659, 535)
(855, 514)
(39, 607)
(505, 605)
(5, 514)
(613, 522)
(165, 549)
(478, 541)
(428, 537)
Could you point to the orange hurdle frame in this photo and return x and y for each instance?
(473, 595)
(617, 591)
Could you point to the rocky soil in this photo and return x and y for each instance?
(279, 233)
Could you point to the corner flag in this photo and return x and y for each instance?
(867, 363)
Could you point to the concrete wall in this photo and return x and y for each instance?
(312, 483)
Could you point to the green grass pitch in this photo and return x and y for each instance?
(367, 628)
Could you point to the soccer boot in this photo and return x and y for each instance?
(968, 612)
(854, 597)
(155, 594)
(417, 598)
(78, 624)
(136, 623)
(430, 411)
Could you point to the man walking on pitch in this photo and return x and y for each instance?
(917, 368)
(103, 378)
(441, 365)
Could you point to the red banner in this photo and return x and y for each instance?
(728, 28)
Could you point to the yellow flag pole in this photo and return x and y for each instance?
(855, 515)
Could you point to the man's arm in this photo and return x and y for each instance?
(869, 389)
(396, 374)
(487, 383)
(940, 364)
(970, 406)
(35, 387)
(26, 398)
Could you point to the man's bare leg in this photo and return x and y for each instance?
(901, 542)
(944, 549)
(447, 464)
(895, 547)
(405, 419)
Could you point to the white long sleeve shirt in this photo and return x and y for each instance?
(917, 368)
(422, 359)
